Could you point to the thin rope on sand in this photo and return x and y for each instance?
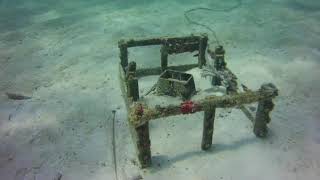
(190, 21)
(114, 153)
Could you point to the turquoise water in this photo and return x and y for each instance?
(64, 54)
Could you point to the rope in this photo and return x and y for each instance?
(114, 145)
(190, 21)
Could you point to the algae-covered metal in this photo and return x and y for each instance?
(174, 81)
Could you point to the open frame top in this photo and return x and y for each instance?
(169, 45)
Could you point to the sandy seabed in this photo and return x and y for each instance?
(64, 55)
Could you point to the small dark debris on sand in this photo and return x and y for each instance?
(15, 96)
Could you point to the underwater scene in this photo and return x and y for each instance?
(159, 89)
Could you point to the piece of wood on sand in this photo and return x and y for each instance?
(16, 96)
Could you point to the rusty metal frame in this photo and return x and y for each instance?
(139, 114)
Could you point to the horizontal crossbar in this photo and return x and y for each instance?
(159, 41)
(227, 101)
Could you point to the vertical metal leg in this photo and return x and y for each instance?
(202, 51)
(208, 126)
(143, 145)
(260, 128)
(133, 89)
(164, 58)
(132, 82)
(123, 54)
(141, 133)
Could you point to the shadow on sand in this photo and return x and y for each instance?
(160, 162)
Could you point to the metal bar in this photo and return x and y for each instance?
(157, 70)
(161, 40)
(200, 105)
(208, 126)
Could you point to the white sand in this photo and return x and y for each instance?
(65, 55)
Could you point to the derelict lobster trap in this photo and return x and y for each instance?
(175, 82)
